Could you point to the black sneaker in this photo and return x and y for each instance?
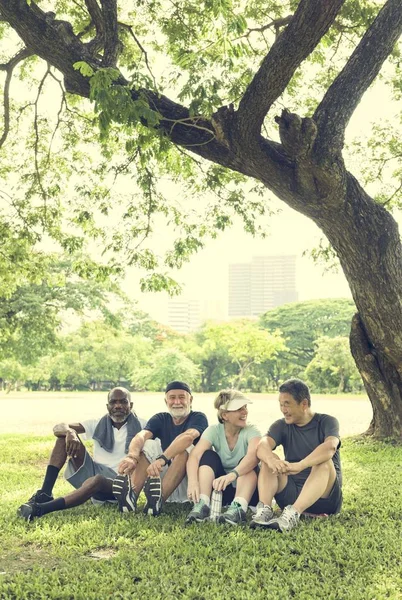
(39, 497)
(153, 494)
(124, 493)
(29, 511)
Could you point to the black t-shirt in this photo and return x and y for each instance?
(298, 442)
(162, 426)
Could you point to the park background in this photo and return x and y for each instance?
(70, 325)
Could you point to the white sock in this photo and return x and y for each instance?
(242, 501)
(206, 499)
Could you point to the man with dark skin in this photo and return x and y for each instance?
(92, 478)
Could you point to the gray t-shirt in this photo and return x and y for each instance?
(298, 442)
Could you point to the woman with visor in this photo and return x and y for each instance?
(225, 459)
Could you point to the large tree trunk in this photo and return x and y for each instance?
(382, 382)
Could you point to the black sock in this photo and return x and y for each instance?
(48, 507)
(51, 476)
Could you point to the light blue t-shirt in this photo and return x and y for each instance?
(230, 458)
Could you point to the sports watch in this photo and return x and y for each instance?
(163, 457)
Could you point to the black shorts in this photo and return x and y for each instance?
(212, 459)
(330, 506)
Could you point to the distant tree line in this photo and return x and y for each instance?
(304, 339)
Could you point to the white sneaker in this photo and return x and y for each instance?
(263, 515)
(287, 520)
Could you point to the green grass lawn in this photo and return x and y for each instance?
(91, 553)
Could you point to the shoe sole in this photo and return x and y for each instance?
(224, 521)
(190, 520)
(121, 489)
(153, 494)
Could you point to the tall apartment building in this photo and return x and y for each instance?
(184, 315)
(262, 284)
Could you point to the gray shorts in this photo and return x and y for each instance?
(89, 468)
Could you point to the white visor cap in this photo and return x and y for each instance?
(236, 403)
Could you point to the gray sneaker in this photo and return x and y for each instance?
(287, 520)
(262, 517)
(200, 513)
(234, 515)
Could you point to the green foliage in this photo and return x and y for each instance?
(228, 352)
(119, 194)
(84, 68)
(127, 346)
(169, 365)
(32, 309)
(302, 323)
(352, 556)
(333, 368)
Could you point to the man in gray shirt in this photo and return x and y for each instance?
(310, 477)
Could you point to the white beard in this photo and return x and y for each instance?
(178, 413)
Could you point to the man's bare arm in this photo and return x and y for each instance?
(319, 455)
(181, 443)
(61, 429)
(129, 462)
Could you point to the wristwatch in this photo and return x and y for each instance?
(163, 457)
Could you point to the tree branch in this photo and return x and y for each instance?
(276, 24)
(9, 67)
(51, 39)
(95, 13)
(310, 22)
(141, 47)
(112, 45)
(333, 113)
(56, 43)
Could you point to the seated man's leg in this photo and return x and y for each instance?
(320, 490)
(90, 479)
(140, 474)
(315, 494)
(174, 475)
(269, 485)
(57, 460)
(159, 489)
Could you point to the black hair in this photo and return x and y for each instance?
(297, 389)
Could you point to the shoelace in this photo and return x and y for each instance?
(234, 509)
(263, 511)
(289, 517)
(198, 507)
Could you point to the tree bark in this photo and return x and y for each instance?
(382, 382)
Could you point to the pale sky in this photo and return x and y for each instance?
(206, 276)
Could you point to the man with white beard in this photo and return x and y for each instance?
(92, 477)
(157, 455)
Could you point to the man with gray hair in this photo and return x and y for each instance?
(158, 454)
(92, 477)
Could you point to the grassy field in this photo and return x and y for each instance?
(91, 553)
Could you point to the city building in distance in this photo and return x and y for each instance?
(262, 284)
